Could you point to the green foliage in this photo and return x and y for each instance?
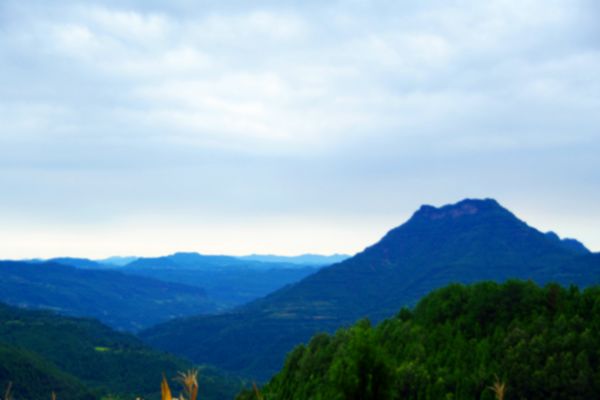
(460, 342)
(82, 353)
(31, 377)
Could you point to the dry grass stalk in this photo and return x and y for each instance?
(189, 379)
(165, 391)
(257, 392)
(499, 389)
(8, 392)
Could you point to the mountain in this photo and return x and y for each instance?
(122, 301)
(215, 262)
(41, 352)
(231, 287)
(538, 343)
(572, 244)
(106, 263)
(469, 241)
(76, 262)
(228, 281)
(117, 261)
(184, 260)
(304, 259)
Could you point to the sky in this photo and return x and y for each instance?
(234, 127)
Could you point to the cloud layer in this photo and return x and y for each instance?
(323, 123)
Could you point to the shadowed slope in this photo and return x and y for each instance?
(119, 300)
(470, 241)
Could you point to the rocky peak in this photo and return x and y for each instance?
(460, 209)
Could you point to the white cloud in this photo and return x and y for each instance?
(129, 25)
(281, 102)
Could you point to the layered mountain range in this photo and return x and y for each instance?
(228, 281)
(145, 291)
(122, 301)
(469, 241)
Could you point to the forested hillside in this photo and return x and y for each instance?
(28, 376)
(79, 358)
(460, 342)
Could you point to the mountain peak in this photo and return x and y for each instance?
(472, 240)
(457, 210)
(568, 243)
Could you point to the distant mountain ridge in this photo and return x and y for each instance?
(192, 260)
(77, 262)
(197, 260)
(470, 241)
(122, 301)
(186, 260)
(117, 261)
(229, 281)
(303, 259)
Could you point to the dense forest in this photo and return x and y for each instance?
(459, 342)
(25, 375)
(82, 359)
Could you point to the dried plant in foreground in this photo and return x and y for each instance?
(257, 392)
(8, 392)
(165, 391)
(499, 389)
(189, 380)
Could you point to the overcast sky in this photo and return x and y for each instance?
(147, 127)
